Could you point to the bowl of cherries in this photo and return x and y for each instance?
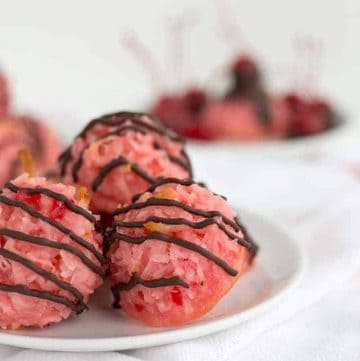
(247, 116)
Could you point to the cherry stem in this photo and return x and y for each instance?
(146, 59)
(308, 54)
(229, 28)
(177, 41)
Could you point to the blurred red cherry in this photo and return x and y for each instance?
(181, 112)
(307, 116)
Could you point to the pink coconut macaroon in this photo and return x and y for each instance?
(240, 120)
(50, 252)
(4, 95)
(174, 252)
(19, 132)
(120, 154)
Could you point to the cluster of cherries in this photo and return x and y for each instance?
(306, 115)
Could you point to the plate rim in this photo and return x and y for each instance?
(187, 332)
(299, 145)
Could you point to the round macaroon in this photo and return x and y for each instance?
(4, 95)
(240, 120)
(19, 132)
(174, 252)
(120, 154)
(50, 252)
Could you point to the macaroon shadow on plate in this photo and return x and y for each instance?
(277, 270)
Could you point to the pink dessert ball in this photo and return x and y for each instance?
(239, 120)
(19, 132)
(174, 252)
(50, 253)
(119, 155)
(4, 95)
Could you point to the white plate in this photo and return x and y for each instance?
(278, 269)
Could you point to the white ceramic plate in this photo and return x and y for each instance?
(278, 269)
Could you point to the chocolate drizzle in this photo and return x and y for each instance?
(171, 180)
(64, 159)
(184, 163)
(211, 218)
(107, 168)
(58, 196)
(79, 162)
(182, 221)
(175, 240)
(124, 121)
(136, 118)
(26, 291)
(78, 305)
(47, 275)
(173, 203)
(135, 280)
(31, 211)
(52, 244)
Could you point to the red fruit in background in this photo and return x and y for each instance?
(196, 130)
(4, 95)
(170, 109)
(308, 116)
(245, 66)
(294, 101)
(195, 100)
(181, 112)
(246, 78)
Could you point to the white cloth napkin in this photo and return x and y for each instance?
(319, 320)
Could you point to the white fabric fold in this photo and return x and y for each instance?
(320, 204)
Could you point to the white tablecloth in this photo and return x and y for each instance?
(320, 320)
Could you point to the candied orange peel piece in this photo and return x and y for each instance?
(154, 226)
(126, 168)
(166, 193)
(27, 161)
(82, 194)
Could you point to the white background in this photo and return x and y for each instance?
(66, 60)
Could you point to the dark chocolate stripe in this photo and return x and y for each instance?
(189, 166)
(135, 280)
(173, 203)
(24, 290)
(52, 244)
(79, 162)
(183, 163)
(161, 181)
(64, 159)
(107, 168)
(122, 117)
(26, 208)
(182, 221)
(175, 240)
(58, 196)
(254, 247)
(136, 123)
(47, 275)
